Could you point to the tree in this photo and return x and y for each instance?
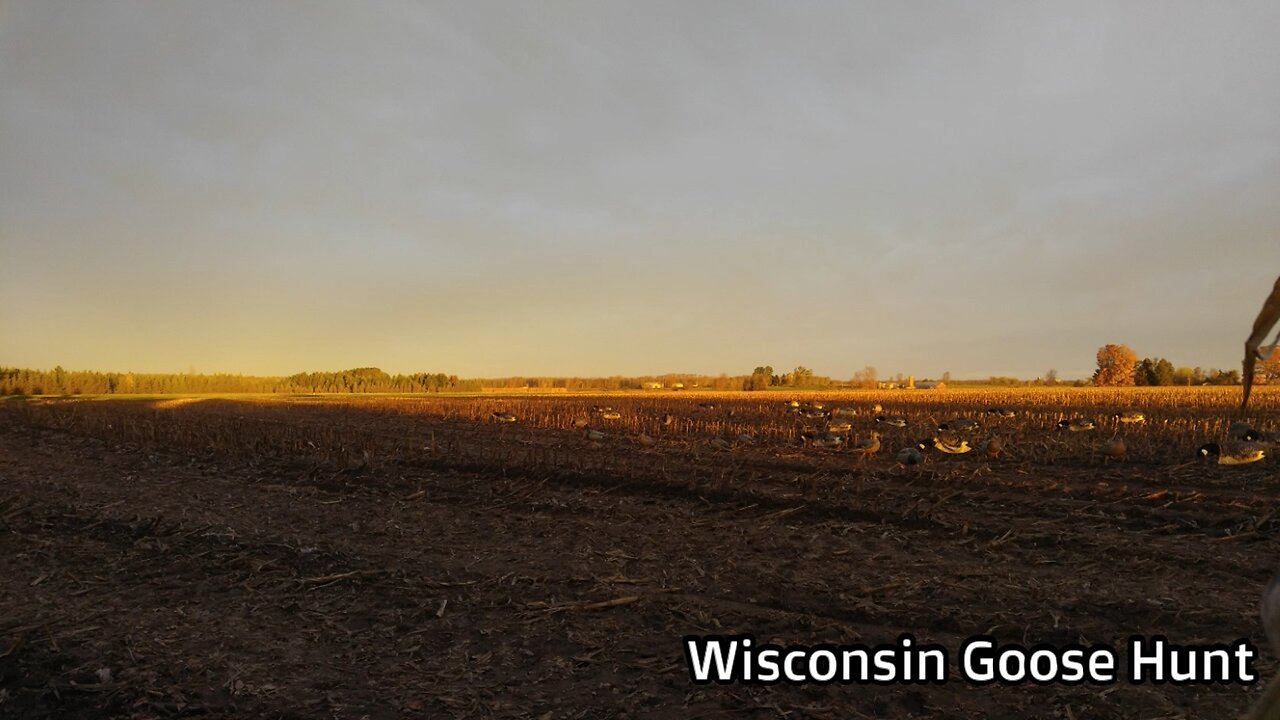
(1116, 364)
(801, 376)
(866, 377)
(760, 378)
(946, 376)
(1268, 370)
(1164, 372)
(1144, 373)
(1228, 377)
(1051, 377)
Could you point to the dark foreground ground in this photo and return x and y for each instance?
(167, 579)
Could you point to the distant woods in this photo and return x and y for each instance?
(15, 381)
(1118, 365)
(358, 380)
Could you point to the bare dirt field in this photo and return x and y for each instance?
(407, 557)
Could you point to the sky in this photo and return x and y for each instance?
(607, 188)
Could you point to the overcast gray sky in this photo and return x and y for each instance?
(598, 188)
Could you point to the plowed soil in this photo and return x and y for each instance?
(231, 559)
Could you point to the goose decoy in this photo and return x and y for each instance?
(1113, 449)
(1239, 429)
(950, 446)
(595, 435)
(1001, 412)
(747, 438)
(823, 440)
(868, 446)
(504, 417)
(1245, 432)
(1131, 417)
(707, 406)
(839, 427)
(611, 415)
(844, 412)
(1268, 316)
(793, 403)
(910, 456)
(891, 421)
(994, 447)
(668, 419)
(814, 413)
(580, 423)
(720, 444)
(645, 440)
(962, 424)
(1266, 438)
(1233, 453)
(1075, 424)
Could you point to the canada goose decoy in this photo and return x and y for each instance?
(813, 413)
(1113, 449)
(504, 417)
(1233, 453)
(1265, 438)
(950, 446)
(1131, 417)
(891, 421)
(645, 440)
(707, 406)
(962, 424)
(1075, 424)
(1267, 707)
(595, 435)
(1268, 316)
(993, 447)
(910, 456)
(839, 427)
(823, 440)
(668, 419)
(1240, 430)
(844, 412)
(793, 403)
(1001, 412)
(580, 423)
(720, 444)
(868, 446)
(611, 415)
(747, 438)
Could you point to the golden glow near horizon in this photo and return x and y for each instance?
(551, 189)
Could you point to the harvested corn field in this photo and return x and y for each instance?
(543, 557)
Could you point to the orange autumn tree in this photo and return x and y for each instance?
(1268, 370)
(1116, 364)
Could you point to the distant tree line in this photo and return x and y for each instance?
(802, 378)
(15, 381)
(1118, 365)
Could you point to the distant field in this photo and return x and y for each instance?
(413, 556)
